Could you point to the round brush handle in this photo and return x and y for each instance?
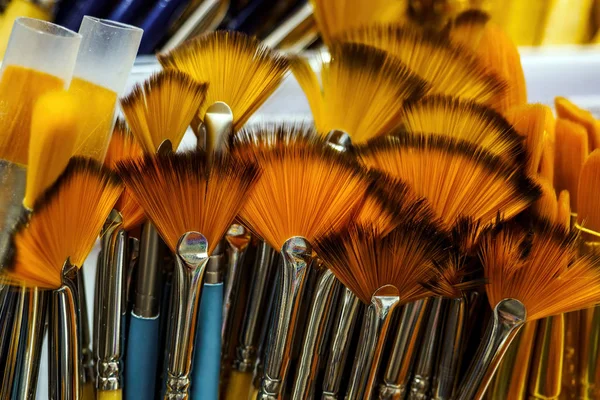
(142, 357)
(88, 391)
(110, 395)
(239, 386)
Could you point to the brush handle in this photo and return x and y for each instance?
(126, 11)
(546, 369)
(155, 22)
(88, 392)
(142, 357)
(207, 359)
(239, 385)
(17, 300)
(110, 395)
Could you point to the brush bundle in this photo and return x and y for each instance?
(423, 238)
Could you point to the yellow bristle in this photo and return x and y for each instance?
(19, 89)
(547, 161)
(450, 70)
(467, 28)
(563, 215)
(571, 152)
(533, 121)
(568, 110)
(362, 91)
(65, 223)
(123, 146)
(465, 120)
(546, 206)
(239, 70)
(540, 268)
(337, 16)
(162, 108)
(364, 260)
(54, 129)
(183, 192)
(457, 178)
(588, 202)
(306, 188)
(309, 83)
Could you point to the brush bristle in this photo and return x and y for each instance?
(334, 17)
(363, 89)
(547, 205)
(466, 120)
(588, 202)
(540, 268)
(364, 261)
(457, 178)
(65, 224)
(563, 215)
(162, 108)
(124, 146)
(533, 121)
(183, 192)
(450, 70)
(465, 234)
(240, 71)
(570, 156)
(54, 129)
(467, 28)
(306, 188)
(568, 110)
(455, 277)
(309, 83)
(547, 161)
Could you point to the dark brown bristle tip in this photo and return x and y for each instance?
(472, 17)
(267, 135)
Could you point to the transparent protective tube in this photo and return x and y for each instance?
(105, 58)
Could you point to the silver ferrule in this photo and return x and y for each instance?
(87, 356)
(404, 350)
(190, 263)
(12, 193)
(218, 122)
(34, 323)
(112, 297)
(370, 345)
(147, 288)
(63, 337)
(508, 317)
(451, 349)
(341, 336)
(214, 268)
(297, 258)
(339, 140)
(238, 239)
(314, 337)
(255, 317)
(133, 255)
(17, 314)
(423, 370)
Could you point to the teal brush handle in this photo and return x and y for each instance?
(207, 359)
(142, 358)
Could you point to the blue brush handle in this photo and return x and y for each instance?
(126, 11)
(155, 24)
(71, 17)
(142, 357)
(207, 358)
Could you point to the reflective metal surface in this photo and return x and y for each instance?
(12, 192)
(147, 289)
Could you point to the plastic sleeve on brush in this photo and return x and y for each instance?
(142, 357)
(239, 385)
(88, 391)
(110, 395)
(207, 358)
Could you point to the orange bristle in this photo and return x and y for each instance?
(540, 268)
(123, 146)
(533, 121)
(547, 161)
(568, 110)
(450, 70)
(465, 120)
(457, 178)
(240, 71)
(455, 277)
(183, 192)
(467, 28)
(365, 261)
(162, 108)
(546, 206)
(563, 215)
(362, 91)
(65, 224)
(588, 202)
(306, 188)
(465, 234)
(571, 152)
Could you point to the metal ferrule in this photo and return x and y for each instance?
(133, 255)
(18, 299)
(190, 263)
(87, 356)
(372, 338)
(339, 140)
(34, 324)
(297, 258)
(423, 370)
(341, 336)
(314, 337)
(546, 366)
(218, 122)
(255, 318)
(12, 193)
(451, 348)
(112, 297)
(147, 289)
(214, 269)
(508, 317)
(404, 350)
(63, 339)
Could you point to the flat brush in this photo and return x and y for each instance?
(568, 110)
(449, 69)
(379, 270)
(571, 151)
(241, 73)
(172, 188)
(362, 87)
